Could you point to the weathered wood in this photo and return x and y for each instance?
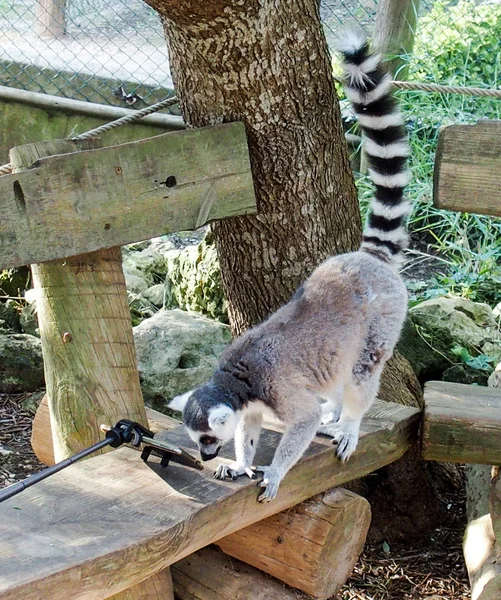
(86, 201)
(89, 355)
(41, 432)
(394, 32)
(468, 167)
(461, 423)
(112, 521)
(50, 18)
(157, 587)
(211, 575)
(312, 546)
(481, 544)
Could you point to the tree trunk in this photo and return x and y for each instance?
(267, 64)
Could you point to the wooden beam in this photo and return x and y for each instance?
(461, 423)
(112, 521)
(467, 172)
(96, 199)
(50, 18)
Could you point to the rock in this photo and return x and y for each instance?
(148, 262)
(155, 294)
(177, 351)
(135, 283)
(21, 363)
(29, 319)
(465, 374)
(194, 280)
(435, 327)
(9, 315)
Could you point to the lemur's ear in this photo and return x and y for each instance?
(179, 402)
(219, 415)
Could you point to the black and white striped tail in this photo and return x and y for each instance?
(368, 87)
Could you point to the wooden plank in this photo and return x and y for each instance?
(467, 174)
(112, 521)
(461, 423)
(86, 201)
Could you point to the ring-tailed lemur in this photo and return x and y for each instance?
(333, 338)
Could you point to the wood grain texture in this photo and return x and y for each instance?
(467, 172)
(312, 546)
(86, 201)
(156, 587)
(41, 433)
(461, 423)
(209, 574)
(112, 521)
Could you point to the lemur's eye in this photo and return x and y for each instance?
(207, 440)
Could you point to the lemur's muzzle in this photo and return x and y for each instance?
(205, 456)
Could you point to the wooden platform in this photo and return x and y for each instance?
(110, 522)
(461, 423)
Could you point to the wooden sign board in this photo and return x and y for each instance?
(467, 175)
(85, 201)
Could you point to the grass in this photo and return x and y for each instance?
(466, 247)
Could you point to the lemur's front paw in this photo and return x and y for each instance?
(271, 482)
(344, 436)
(232, 471)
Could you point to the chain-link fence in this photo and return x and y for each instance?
(113, 51)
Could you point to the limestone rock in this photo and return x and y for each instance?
(177, 351)
(149, 262)
(155, 294)
(21, 363)
(194, 280)
(436, 326)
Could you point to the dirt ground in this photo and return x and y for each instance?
(430, 570)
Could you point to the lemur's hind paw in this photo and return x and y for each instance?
(270, 482)
(232, 471)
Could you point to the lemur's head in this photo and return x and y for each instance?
(210, 420)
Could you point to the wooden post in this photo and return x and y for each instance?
(89, 355)
(394, 32)
(51, 18)
(312, 546)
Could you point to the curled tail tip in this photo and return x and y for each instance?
(352, 43)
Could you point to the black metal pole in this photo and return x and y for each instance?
(15, 488)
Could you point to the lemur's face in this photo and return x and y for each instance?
(209, 423)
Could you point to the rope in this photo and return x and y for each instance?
(435, 88)
(432, 88)
(125, 120)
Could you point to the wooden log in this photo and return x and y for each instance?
(461, 423)
(394, 32)
(50, 18)
(481, 549)
(312, 546)
(209, 574)
(157, 587)
(111, 521)
(91, 200)
(41, 433)
(467, 167)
